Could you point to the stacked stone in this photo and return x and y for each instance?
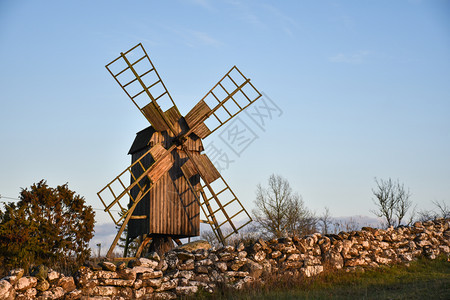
(185, 270)
(47, 284)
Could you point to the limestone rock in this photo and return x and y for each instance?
(237, 264)
(201, 270)
(105, 291)
(150, 275)
(221, 266)
(117, 282)
(137, 284)
(25, 283)
(292, 264)
(53, 276)
(14, 275)
(130, 274)
(142, 292)
(172, 260)
(236, 274)
(106, 274)
(184, 255)
(186, 290)
(259, 256)
(153, 256)
(227, 248)
(240, 247)
(204, 262)
(188, 265)
(28, 294)
(310, 271)
(108, 266)
(6, 290)
(276, 254)
(164, 296)
(73, 295)
(67, 284)
(334, 258)
(42, 285)
(200, 254)
(355, 262)
(294, 256)
(195, 245)
(382, 260)
(242, 282)
(169, 285)
(154, 283)
(140, 269)
(187, 274)
(253, 268)
(242, 254)
(84, 275)
(143, 262)
(121, 265)
(53, 293)
(311, 260)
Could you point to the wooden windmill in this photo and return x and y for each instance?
(171, 180)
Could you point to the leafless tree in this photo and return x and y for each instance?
(346, 225)
(325, 221)
(247, 235)
(392, 201)
(280, 211)
(442, 210)
(210, 237)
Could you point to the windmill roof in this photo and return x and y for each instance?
(142, 139)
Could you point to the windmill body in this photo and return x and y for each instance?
(170, 208)
(173, 184)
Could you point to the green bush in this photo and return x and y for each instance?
(51, 226)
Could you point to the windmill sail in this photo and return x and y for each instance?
(137, 76)
(231, 95)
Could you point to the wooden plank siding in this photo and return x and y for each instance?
(170, 206)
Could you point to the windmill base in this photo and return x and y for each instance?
(159, 244)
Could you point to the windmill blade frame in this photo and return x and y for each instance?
(201, 112)
(134, 85)
(143, 182)
(209, 175)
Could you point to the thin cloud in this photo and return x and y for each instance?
(356, 58)
(287, 24)
(194, 38)
(204, 38)
(246, 14)
(206, 4)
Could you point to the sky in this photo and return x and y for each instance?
(359, 90)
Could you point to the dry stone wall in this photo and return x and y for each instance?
(194, 266)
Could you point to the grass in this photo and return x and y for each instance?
(422, 279)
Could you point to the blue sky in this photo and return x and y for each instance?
(363, 87)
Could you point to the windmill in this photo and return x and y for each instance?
(171, 180)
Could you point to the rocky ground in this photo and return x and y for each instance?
(186, 269)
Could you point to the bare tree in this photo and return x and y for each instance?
(442, 210)
(392, 201)
(247, 235)
(280, 211)
(346, 225)
(325, 221)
